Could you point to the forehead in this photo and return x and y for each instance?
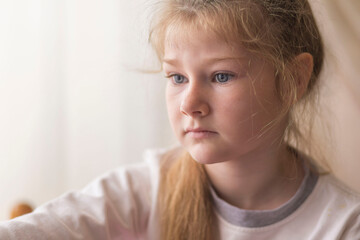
(179, 41)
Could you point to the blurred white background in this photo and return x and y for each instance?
(72, 103)
(73, 106)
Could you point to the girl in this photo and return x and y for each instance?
(237, 70)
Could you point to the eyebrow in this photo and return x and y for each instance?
(174, 61)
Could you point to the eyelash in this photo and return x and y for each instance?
(230, 76)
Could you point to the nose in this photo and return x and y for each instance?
(195, 101)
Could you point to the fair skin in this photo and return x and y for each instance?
(219, 101)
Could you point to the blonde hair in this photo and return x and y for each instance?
(275, 30)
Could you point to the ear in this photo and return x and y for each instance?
(303, 67)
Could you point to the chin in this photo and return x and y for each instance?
(206, 156)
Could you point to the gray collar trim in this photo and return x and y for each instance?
(261, 218)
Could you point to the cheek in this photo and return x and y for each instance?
(243, 116)
(173, 106)
(234, 106)
(269, 104)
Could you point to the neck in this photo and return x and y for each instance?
(262, 179)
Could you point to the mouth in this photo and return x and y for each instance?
(199, 133)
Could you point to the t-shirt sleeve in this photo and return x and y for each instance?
(114, 206)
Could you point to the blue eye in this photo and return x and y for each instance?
(178, 79)
(222, 77)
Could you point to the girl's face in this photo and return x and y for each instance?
(220, 100)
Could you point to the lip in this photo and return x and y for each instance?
(199, 133)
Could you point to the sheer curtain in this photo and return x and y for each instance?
(72, 102)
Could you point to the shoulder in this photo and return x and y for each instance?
(333, 187)
(119, 203)
(137, 178)
(133, 185)
(338, 205)
(336, 197)
(331, 196)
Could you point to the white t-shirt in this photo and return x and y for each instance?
(121, 204)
